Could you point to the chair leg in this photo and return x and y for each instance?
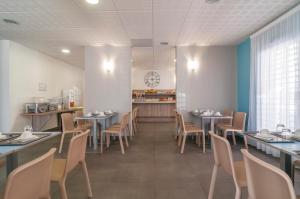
(237, 193)
(203, 141)
(132, 129)
(245, 142)
(213, 182)
(121, 144)
(61, 142)
(233, 137)
(179, 140)
(183, 144)
(107, 140)
(87, 179)
(62, 188)
(125, 137)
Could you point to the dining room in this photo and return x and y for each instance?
(149, 99)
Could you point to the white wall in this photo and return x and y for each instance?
(27, 69)
(4, 86)
(212, 85)
(108, 90)
(167, 78)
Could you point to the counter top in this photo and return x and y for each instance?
(54, 112)
(156, 102)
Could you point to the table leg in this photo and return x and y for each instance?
(11, 162)
(212, 125)
(286, 163)
(95, 142)
(102, 136)
(202, 124)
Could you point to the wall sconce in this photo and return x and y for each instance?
(193, 65)
(108, 66)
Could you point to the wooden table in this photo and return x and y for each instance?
(11, 152)
(287, 150)
(95, 119)
(58, 113)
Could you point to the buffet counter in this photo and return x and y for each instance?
(159, 102)
(160, 111)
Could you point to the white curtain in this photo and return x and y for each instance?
(275, 76)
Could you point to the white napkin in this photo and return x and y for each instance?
(218, 114)
(2, 136)
(101, 114)
(27, 135)
(89, 114)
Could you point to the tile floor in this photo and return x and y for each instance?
(152, 168)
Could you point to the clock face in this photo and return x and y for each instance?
(152, 79)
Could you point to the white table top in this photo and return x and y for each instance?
(6, 150)
(96, 117)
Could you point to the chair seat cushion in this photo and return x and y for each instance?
(223, 126)
(85, 126)
(193, 129)
(239, 167)
(113, 129)
(58, 169)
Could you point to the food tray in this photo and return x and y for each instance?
(272, 138)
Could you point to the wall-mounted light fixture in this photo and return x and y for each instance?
(193, 65)
(108, 66)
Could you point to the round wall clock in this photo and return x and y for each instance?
(152, 79)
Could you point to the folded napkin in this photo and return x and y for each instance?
(27, 135)
(2, 136)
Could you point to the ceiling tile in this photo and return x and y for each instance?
(133, 4)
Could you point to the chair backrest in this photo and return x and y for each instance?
(124, 121)
(265, 180)
(134, 113)
(80, 114)
(227, 112)
(223, 154)
(67, 122)
(181, 122)
(77, 149)
(31, 180)
(176, 119)
(239, 120)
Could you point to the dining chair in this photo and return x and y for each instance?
(238, 126)
(188, 129)
(134, 120)
(85, 125)
(177, 124)
(120, 130)
(75, 157)
(265, 180)
(225, 122)
(31, 180)
(224, 159)
(68, 127)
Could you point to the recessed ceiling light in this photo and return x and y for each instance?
(211, 1)
(94, 2)
(65, 51)
(11, 21)
(174, 60)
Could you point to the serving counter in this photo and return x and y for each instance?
(155, 111)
